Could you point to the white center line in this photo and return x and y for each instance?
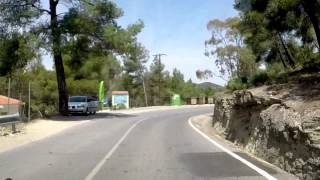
(252, 166)
(97, 168)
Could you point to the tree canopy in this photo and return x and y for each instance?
(281, 35)
(87, 30)
(87, 46)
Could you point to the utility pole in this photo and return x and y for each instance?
(9, 91)
(158, 56)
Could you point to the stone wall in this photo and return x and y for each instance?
(268, 128)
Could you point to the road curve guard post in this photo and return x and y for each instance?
(210, 100)
(194, 101)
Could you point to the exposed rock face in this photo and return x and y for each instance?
(272, 129)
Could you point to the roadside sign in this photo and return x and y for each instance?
(120, 99)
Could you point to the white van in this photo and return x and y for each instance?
(83, 104)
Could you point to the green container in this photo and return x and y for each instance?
(176, 100)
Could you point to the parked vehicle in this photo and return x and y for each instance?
(83, 104)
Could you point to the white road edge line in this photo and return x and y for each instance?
(97, 168)
(252, 166)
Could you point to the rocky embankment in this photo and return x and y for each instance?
(280, 124)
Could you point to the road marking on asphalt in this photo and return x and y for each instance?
(97, 168)
(252, 166)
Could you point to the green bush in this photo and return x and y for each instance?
(281, 78)
(277, 74)
(259, 79)
(237, 84)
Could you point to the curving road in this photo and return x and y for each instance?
(156, 145)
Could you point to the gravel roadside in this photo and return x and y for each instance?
(33, 131)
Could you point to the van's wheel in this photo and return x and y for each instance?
(86, 113)
(94, 112)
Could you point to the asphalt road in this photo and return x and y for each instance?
(147, 146)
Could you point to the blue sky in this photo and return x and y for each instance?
(176, 28)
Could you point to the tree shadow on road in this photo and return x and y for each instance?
(80, 117)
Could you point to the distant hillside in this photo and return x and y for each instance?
(212, 85)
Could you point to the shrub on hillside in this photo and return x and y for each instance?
(237, 84)
(259, 79)
(281, 78)
(277, 74)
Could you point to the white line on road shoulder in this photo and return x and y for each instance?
(252, 166)
(97, 168)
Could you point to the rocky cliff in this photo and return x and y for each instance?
(280, 124)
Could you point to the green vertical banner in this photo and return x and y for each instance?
(101, 94)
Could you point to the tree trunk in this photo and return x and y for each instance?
(311, 7)
(57, 57)
(145, 91)
(278, 45)
(287, 51)
(159, 81)
(282, 60)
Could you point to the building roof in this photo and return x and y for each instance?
(120, 92)
(4, 100)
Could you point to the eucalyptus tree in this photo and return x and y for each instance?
(228, 49)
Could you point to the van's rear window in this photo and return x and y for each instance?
(77, 99)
